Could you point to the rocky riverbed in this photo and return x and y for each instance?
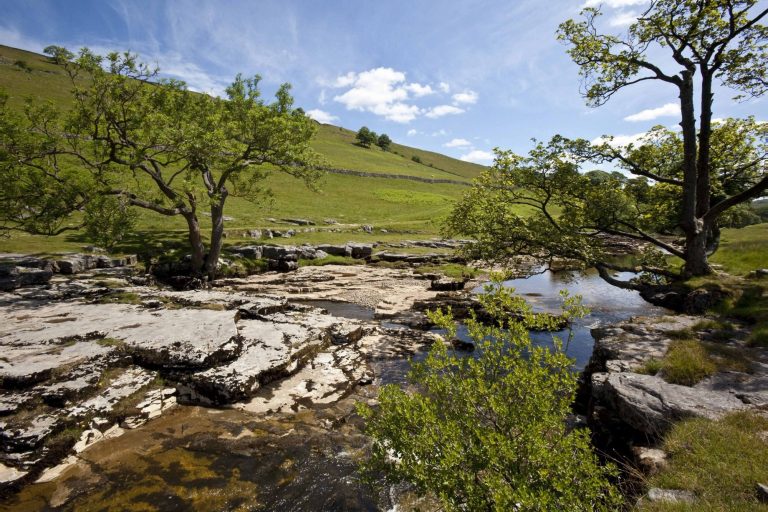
(94, 368)
(116, 395)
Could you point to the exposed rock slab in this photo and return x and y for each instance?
(651, 405)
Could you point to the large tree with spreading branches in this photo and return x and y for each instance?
(708, 41)
(147, 143)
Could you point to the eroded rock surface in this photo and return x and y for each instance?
(624, 400)
(88, 357)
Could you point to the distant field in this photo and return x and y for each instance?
(397, 204)
(744, 249)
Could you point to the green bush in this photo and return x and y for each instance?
(488, 432)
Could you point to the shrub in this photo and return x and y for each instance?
(488, 432)
(416, 159)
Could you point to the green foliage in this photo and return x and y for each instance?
(365, 137)
(108, 220)
(384, 142)
(720, 461)
(156, 146)
(416, 158)
(58, 54)
(489, 432)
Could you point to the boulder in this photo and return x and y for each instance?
(335, 250)
(447, 285)
(657, 495)
(278, 252)
(248, 251)
(650, 405)
(12, 277)
(360, 251)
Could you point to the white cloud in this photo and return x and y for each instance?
(440, 133)
(623, 19)
(443, 110)
(321, 99)
(412, 132)
(614, 4)
(466, 97)
(620, 141)
(322, 116)
(478, 157)
(419, 90)
(444, 87)
(667, 110)
(382, 91)
(457, 143)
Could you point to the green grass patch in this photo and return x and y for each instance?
(329, 260)
(651, 367)
(720, 461)
(110, 342)
(687, 362)
(411, 197)
(119, 298)
(758, 337)
(452, 270)
(743, 250)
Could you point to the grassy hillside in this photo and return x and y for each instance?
(24, 74)
(339, 148)
(394, 204)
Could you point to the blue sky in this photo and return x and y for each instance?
(456, 77)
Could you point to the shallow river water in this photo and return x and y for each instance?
(195, 458)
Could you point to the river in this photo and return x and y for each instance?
(196, 458)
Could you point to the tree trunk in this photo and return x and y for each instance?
(690, 175)
(696, 263)
(703, 188)
(196, 242)
(217, 235)
(695, 232)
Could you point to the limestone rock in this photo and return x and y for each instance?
(657, 495)
(650, 405)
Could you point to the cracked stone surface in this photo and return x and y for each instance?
(648, 403)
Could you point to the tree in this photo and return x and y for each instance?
(365, 137)
(541, 205)
(58, 54)
(384, 142)
(707, 40)
(489, 431)
(151, 143)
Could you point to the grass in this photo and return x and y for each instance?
(452, 270)
(329, 260)
(720, 461)
(687, 362)
(349, 199)
(743, 250)
(111, 342)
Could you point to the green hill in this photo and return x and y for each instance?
(394, 204)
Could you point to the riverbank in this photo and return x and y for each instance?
(244, 393)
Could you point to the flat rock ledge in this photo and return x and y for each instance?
(81, 361)
(623, 402)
